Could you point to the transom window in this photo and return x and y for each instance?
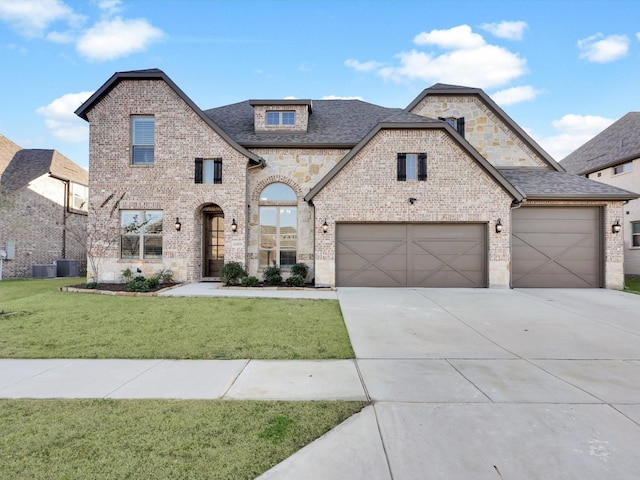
(141, 234)
(412, 166)
(635, 234)
(142, 140)
(624, 168)
(278, 226)
(281, 118)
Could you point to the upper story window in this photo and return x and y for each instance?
(208, 170)
(281, 118)
(456, 123)
(141, 234)
(412, 166)
(142, 140)
(635, 234)
(78, 197)
(624, 168)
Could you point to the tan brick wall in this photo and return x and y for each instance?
(180, 137)
(457, 190)
(630, 212)
(34, 218)
(483, 129)
(613, 244)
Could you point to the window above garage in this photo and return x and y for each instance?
(412, 166)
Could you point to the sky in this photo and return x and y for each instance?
(563, 70)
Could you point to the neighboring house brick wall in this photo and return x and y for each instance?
(301, 169)
(168, 185)
(457, 190)
(629, 213)
(34, 218)
(483, 129)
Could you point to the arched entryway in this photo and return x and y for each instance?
(213, 240)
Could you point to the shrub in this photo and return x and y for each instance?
(153, 282)
(232, 272)
(295, 281)
(301, 269)
(250, 281)
(272, 275)
(164, 275)
(92, 285)
(138, 284)
(127, 275)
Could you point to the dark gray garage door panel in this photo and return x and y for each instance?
(556, 247)
(400, 255)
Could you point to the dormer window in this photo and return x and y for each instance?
(281, 118)
(456, 123)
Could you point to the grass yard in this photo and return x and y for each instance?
(632, 284)
(159, 439)
(39, 321)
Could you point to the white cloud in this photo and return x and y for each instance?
(61, 120)
(337, 97)
(32, 17)
(61, 37)
(452, 39)
(362, 66)
(600, 49)
(573, 132)
(508, 30)
(115, 38)
(110, 7)
(467, 60)
(513, 95)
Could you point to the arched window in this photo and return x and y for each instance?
(278, 226)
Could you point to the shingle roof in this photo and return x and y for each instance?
(539, 184)
(7, 150)
(618, 143)
(332, 123)
(29, 164)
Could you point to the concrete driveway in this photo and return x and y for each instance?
(487, 384)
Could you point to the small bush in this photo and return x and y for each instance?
(295, 281)
(153, 282)
(232, 272)
(164, 275)
(301, 269)
(127, 275)
(272, 276)
(92, 285)
(138, 284)
(250, 281)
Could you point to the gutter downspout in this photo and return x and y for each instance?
(514, 205)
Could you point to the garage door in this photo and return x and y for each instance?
(556, 247)
(408, 255)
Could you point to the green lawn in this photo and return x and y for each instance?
(44, 322)
(632, 284)
(156, 439)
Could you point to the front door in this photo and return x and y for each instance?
(213, 241)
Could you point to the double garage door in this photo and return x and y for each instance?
(411, 255)
(557, 247)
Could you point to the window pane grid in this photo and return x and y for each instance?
(141, 239)
(278, 227)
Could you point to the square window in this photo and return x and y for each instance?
(281, 118)
(141, 238)
(273, 118)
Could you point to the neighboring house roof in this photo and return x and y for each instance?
(332, 123)
(619, 143)
(444, 89)
(543, 184)
(156, 74)
(7, 150)
(29, 164)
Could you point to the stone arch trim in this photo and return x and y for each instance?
(255, 195)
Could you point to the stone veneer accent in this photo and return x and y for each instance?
(483, 129)
(181, 136)
(457, 190)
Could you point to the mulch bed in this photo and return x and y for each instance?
(121, 287)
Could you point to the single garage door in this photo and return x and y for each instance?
(557, 247)
(411, 255)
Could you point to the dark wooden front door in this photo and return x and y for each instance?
(213, 242)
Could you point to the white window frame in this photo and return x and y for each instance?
(78, 198)
(141, 233)
(624, 168)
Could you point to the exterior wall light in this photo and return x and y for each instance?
(234, 226)
(499, 226)
(616, 227)
(178, 225)
(325, 227)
